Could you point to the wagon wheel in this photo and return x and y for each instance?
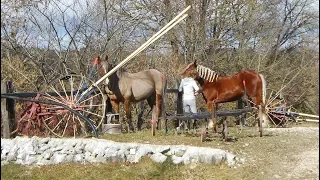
(276, 110)
(61, 122)
(272, 105)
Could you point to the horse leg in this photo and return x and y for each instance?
(214, 117)
(158, 109)
(213, 121)
(115, 106)
(210, 108)
(140, 114)
(225, 129)
(260, 120)
(128, 114)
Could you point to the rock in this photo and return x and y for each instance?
(12, 157)
(163, 149)
(44, 147)
(30, 159)
(44, 151)
(58, 148)
(179, 150)
(78, 158)
(158, 157)
(21, 156)
(58, 158)
(47, 154)
(44, 140)
(176, 159)
(69, 158)
(132, 151)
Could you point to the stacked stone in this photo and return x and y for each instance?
(48, 151)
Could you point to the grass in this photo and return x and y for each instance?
(272, 156)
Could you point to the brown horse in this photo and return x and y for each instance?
(126, 87)
(220, 89)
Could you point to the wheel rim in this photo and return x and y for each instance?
(61, 122)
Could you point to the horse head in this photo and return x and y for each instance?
(191, 70)
(103, 67)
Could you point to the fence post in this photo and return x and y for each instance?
(179, 103)
(8, 113)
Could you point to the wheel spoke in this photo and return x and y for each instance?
(64, 90)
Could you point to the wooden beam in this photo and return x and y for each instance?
(4, 114)
(7, 110)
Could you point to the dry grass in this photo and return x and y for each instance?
(286, 153)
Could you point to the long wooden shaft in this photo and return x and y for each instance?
(308, 115)
(146, 44)
(156, 36)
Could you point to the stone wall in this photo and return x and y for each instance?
(47, 151)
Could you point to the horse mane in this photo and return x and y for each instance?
(207, 73)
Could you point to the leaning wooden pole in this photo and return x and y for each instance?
(156, 36)
(308, 115)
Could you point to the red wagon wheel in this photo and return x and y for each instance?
(61, 122)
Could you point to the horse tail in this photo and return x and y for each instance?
(262, 111)
(264, 89)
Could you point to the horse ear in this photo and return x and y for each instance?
(195, 63)
(106, 58)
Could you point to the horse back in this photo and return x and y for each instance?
(143, 84)
(232, 88)
(251, 80)
(159, 80)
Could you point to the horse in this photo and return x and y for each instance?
(222, 88)
(124, 87)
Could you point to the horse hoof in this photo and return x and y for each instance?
(225, 141)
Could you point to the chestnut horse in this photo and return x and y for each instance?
(220, 89)
(124, 87)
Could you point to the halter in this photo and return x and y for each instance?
(207, 73)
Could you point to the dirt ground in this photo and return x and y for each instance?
(282, 153)
(299, 157)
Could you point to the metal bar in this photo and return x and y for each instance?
(34, 94)
(205, 115)
(175, 90)
(58, 104)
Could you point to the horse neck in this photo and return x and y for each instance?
(113, 81)
(203, 81)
